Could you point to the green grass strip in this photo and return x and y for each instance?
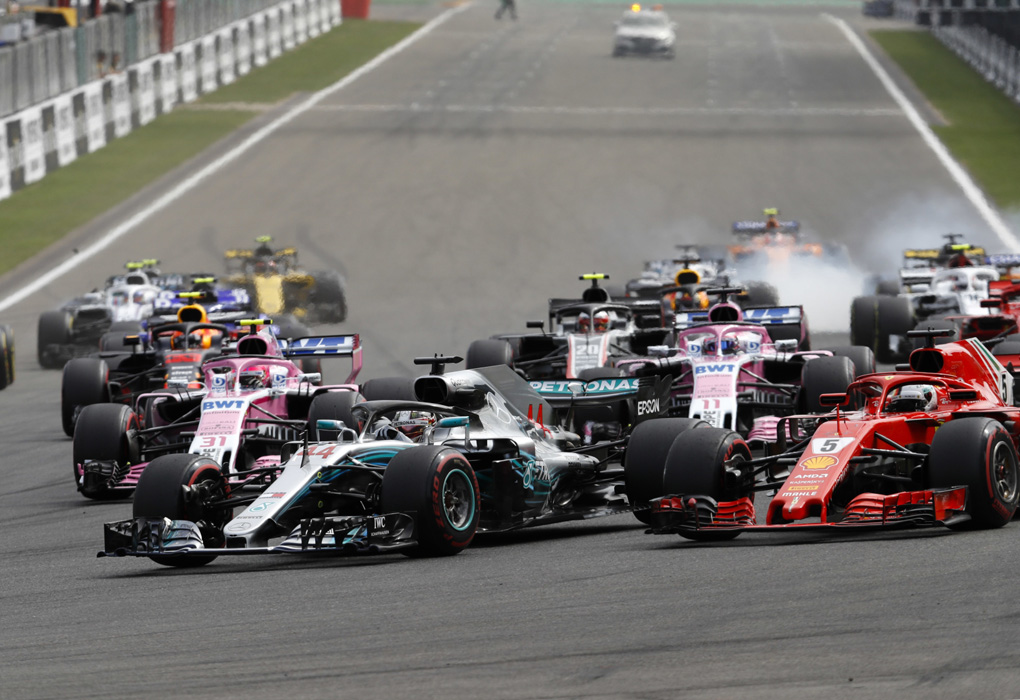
(983, 130)
(315, 64)
(43, 213)
(69, 197)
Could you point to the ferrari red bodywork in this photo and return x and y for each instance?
(882, 462)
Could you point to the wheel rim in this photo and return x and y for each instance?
(458, 499)
(1004, 473)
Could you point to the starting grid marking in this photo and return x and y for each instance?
(619, 111)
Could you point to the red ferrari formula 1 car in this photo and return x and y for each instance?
(935, 444)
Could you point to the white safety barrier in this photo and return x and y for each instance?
(990, 55)
(45, 136)
(5, 167)
(65, 142)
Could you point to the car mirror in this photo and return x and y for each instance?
(786, 345)
(833, 399)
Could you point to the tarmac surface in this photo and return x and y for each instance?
(457, 187)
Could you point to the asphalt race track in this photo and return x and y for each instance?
(457, 187)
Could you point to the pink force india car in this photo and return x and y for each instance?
(934, 444)
(729, 371)
(249, 405)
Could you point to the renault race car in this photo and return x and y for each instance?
(932, 445)
(469, 454)
(246, 406)
(277, 285)
(729, 371)
(646, 32)
(76, 327)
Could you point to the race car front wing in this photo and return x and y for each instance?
(370, 534)
(680, 514)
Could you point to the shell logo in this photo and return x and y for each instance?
(818, 462)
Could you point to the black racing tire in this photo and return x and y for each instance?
(977, 453)
(760, 294)
(824, 375)
(112, 341)
(126, 327)
(389, 389)
(862, 357)
(103, 432)
(6, 356)
(887, 288)
(438, 488)
(85, 382)
(329, 297)
(696, 466)
(332, 405)
(54, 329)
(935, 324)
(489, 353)
(612, 412)
(645, 459)
(894, 317)
(863, 328)
(160, 495)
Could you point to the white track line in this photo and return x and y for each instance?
(970, 190)
(196, 179)
(621, 111)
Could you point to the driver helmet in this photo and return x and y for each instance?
(193, 313)
(584, 322)
(256, 377)
(911, 398)
(709, 346)
(729, 345)
(413, 423)
(748, 342)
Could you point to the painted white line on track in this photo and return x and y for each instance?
(792, 111)
(192, 181)
(970, 190)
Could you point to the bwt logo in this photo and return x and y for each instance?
(221, 405)
(714, 369)
(648, 407)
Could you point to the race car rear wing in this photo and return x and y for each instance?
(1005, 262)
(774, 315)
(752, 227)
(763, 315)
(934, 253)
(328, 346)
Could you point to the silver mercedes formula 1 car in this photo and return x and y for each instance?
(472, 453)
